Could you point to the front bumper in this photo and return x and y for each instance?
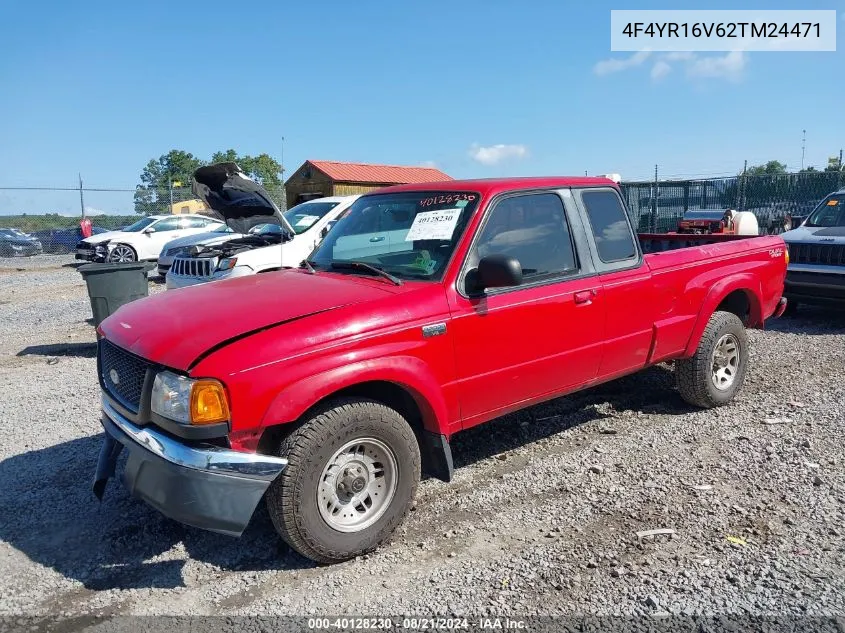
(26, 250)
(207, 487)
(824, 288)
(183, 281)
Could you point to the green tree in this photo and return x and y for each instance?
(264, 169)
(772, 168)
(834, 164)
(175, 168)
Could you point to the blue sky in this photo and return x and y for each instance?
(477, 88)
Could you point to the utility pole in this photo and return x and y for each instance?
(82, 198)
(654, 203)
(284, 195)
(803, 144)
(170, 188)
(740, 191)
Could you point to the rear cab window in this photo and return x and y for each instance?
(614, 243)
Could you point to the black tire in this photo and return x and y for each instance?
(133, 254)
(292, 498)
(695, 375)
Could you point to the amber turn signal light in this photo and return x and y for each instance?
(209, 403)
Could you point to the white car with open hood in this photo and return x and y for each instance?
(183, 245)
(271, 239)
(144, 239)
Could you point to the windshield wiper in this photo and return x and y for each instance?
(369, 267)
(307, 265)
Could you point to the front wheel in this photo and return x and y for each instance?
(122, 254)
(714, 374)
(353, 470)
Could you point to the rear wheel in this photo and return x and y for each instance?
(353, 470)
(122, 253)
(714, 374)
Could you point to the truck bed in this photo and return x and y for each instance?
(661, 242)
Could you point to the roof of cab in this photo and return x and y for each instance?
(493, 186)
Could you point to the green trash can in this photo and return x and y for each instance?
(112, 285)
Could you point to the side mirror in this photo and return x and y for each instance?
(149, 230)
(327, 228)
(494, 271)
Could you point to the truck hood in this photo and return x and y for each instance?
(177, 328)
(816, 235)
(240, 202)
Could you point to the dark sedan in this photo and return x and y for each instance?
(62, 240)
(15, 243)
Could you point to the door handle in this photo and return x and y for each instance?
(585, 297)
(380, 238)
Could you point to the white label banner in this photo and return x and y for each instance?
(723, 30)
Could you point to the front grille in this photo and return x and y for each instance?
(191, 267)
(128, 369)
(85, 246)
(830, 254)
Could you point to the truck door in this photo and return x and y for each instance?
(625, 280)
(515, 345)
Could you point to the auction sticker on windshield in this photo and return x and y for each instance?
(434, 225)
(307, 220)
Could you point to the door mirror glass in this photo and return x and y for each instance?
(327, 228)
(494, 271)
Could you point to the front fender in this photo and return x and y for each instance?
(747, 282)
(408, 372)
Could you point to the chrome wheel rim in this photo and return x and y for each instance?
(725, 362)
(357, 485)
(121, 255)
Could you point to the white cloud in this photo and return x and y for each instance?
(660, 70)
(729, 66)
(607, 66)
(494, 154)
(94, 211)
(428, 163)
(679, 56)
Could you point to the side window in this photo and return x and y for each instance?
(168, 224)
(610, 227)
(532, 229)
(192, 223)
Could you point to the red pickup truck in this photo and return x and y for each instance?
(426, 310)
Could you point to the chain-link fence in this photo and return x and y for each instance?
(53, 214)
(657, 207)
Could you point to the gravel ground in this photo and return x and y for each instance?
(541, 518)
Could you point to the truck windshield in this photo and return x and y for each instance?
(831, 212)
(410, 235)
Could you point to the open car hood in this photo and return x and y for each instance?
(236, 199)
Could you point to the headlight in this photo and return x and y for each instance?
(189, 401)
(227, 263)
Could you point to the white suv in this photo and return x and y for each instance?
(274, 240)
(143, 240)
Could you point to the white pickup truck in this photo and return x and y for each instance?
(264, 247)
